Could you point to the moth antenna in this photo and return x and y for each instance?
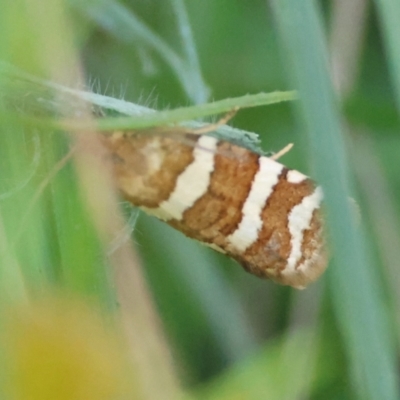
(212, 127)
(282, 152)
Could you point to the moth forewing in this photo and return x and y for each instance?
(238, 202)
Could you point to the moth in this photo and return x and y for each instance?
(248, 206)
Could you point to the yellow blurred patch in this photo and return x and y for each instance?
(60, 349)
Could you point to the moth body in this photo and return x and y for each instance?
(248, 206)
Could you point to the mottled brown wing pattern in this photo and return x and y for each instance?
(248, 206)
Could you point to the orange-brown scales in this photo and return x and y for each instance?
(248, 206)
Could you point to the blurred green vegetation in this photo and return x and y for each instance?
(191, 322)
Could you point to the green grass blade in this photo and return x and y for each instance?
(389, 12)
(199, 92)
(192, 112)
(127, 27)
(357, 294)
(140, 117)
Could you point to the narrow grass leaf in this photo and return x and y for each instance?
(389, 13)
(198, 90)
(355, 287)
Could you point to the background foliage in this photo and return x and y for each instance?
(178, 320)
